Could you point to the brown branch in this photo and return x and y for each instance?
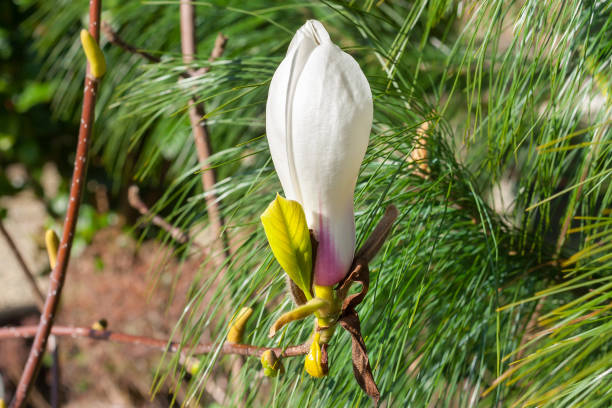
(162, 345)
(115, 39)
(196, 113)
(40, 302)
(58, 274)
(55, 372)
(196, 109)
(136, 202)
(40, 298)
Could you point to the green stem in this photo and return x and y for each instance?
(327, 315)
(300, 312)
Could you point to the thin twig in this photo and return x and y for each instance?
(196, 110)
(40, 298)
(136, 202)
(40, 302)
(55, 372)
(58, 274)
(115, 39)
(196, 113)
(162, 345)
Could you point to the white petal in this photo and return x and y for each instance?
(330, 128)
(278, 116)
(313, 30)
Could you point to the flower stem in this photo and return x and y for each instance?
(328, 314)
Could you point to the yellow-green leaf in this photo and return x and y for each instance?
(285, 225)
(97, 63)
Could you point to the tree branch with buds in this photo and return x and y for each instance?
(199, 127)
(270, 356)
(95, 68)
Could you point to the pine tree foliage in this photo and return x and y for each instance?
(491, 136)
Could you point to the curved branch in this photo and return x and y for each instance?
(114, 38)
(58, 274)
(136, 202)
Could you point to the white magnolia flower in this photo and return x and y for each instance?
(318, 121)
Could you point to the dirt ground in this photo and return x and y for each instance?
(93, 373)
(25, 223)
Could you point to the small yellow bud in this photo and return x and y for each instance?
(100, 325)
(312, 363)
(271, 364)
(52, 243)
(97, 63)
(192, 365)
(238, 324)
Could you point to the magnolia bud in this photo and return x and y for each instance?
(313, 362)
(318, 121)
(52, 244)
(272, 366)
(238, 324)
(100, 325)
(97, 63)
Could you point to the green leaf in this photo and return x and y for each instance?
(33, 94)
(285, 225)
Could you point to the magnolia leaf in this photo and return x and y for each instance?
(285, 225)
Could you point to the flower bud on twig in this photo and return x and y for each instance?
(192, 365)
(313, 362)
(238, 324)
(100, 325)
(318, 121)
(52, 244)
(95, 57)
(272, 366)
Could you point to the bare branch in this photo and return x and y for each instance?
(196, 113)
(40, 298)
(136, 202)
(58, 274)
(115, 39)
(162, 345)
(40, 302)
